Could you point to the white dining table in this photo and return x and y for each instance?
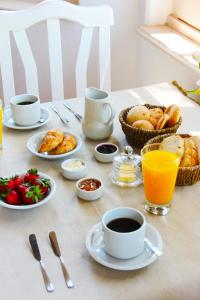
(174, 276)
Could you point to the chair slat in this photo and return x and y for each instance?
(6, 67)
(28, 60)
(82, 61)
(55, 59)
(104, 57)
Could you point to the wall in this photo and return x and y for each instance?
(154, 65)
(123, 51)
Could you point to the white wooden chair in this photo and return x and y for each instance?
(52, 11)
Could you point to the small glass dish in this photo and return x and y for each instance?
(74, 168)
(126, 171)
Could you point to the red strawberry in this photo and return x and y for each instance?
(22, 189)
(33, 195)
(6, 184)
(44, 185)
(31, 176)
(11, 184)
(3, 184)
(18, 180)
(13, 198)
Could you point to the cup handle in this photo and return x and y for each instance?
(97, 238)
(112, 112)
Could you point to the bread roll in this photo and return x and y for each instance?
(162, 122)
(190, 157)
(174, 113)
(143, 124)
(196, 139)
(174, 144)
(155, 115)
(138, 112)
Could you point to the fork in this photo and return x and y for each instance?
(64, 120)
(78, 116)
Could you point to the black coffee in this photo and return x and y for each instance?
(25, 103)
(123, 225)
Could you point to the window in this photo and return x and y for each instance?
(188, 11)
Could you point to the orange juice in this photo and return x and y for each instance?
(159, 170)
(1, 121)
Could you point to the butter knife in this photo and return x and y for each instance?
(36, 252)
(64, 120)
(56, 249)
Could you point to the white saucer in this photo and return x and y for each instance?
(146, 258)
(9, 122)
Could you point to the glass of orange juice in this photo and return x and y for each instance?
(1, 123)
(159, 169)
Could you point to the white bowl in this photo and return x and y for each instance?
(35, 141)
(104, 157)
(76, 173)
(89, 195)
(42, 202)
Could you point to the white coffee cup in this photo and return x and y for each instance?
(122, 245)
(28, 113)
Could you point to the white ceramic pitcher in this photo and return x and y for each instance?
(99, 114)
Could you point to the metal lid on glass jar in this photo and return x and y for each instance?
(126, 169)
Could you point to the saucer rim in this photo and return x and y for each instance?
(153, 257)
(36, 125)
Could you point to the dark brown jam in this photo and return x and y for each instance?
(89, 185)
(107, 148)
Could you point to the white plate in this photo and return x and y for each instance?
(146, 258)
(35, 141)
(42, 202)
(9, 122)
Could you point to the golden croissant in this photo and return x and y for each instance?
(67, 145)
(51, 140)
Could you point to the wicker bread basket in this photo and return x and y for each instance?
(138, 137)
(186, 175)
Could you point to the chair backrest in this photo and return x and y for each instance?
(52, 11)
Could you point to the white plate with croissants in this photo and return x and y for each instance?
(54, 144)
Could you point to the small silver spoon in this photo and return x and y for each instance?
(41, 120)
(153, 248)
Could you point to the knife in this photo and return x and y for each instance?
(56, 249)
(36, 253)
(65, 121)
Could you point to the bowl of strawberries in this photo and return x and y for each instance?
(27, 190)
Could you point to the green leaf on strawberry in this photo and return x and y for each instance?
(33, 195)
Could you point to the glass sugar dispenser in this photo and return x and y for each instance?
(126, 170)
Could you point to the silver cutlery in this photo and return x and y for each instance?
(64, 120)
(77, 115)
(153, 248)
(56, 249)
(36, 252)
(42, 120)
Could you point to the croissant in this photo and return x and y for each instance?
(67, 145)
(51, 140)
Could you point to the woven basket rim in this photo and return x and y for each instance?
(159, 132)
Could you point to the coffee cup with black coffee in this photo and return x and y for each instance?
(25, 109)
(122, 233)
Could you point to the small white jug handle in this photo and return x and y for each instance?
(112, 113)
